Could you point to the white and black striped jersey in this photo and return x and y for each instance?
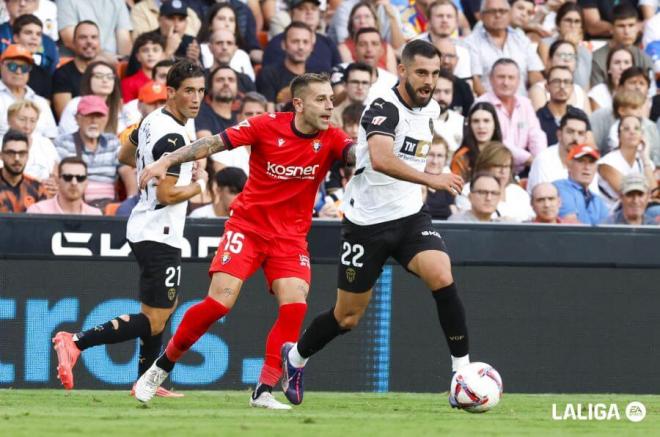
(372, 197)
(159, 133)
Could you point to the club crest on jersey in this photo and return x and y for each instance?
(280, 142)
(316, 145)
(350, 274)
(171, 294)
(225, 258)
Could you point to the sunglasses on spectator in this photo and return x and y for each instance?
(18, 68)
(108, 76)
(69, 177)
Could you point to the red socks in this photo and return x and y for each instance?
(196, 321)
(286, 328)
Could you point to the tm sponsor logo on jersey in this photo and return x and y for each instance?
(291, 171)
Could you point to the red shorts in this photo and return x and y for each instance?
(240, 253)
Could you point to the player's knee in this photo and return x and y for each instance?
(438, 280)
(349, 321)
(157, 321)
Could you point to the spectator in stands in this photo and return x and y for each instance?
(66, 80)
(324, 55)
(46, 48)
(439, 203)
(570, 26)
(222, 50)
(244, 20)
(222, 17)
(481, 128)
(618, 60)
(71, 182)
(98, 149)
(523, 21)
(462, 98)
(521, 129)
(578, 203)
(111, 17)
(363, 16)
(144, 18)
(215, 113)
(42, 159)
(274, 79)
(632, 156)
(387, 17)
(450, 123)
(27, 31)
(635, 196)
(133, 111)
(546, 203)
(149, 50)
(17, 191)
(442, 31)
(559, 87)
(99, 79)
(551, 164)
(350, 119)
(252, 104)
(625, 103)
(368, 49)
(625, 29)
(15, 65)
(637, 79)
(357, 77)
(513, 205)
(226, 185)
(562, 54)
(484, 196)
(497, 39)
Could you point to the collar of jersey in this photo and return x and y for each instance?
(300, 134)
(166, 112)
(403, 102)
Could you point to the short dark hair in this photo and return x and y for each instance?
(503, 61)
(231, 177)
(558, 43)
(82, 23)
(446, 74)
(634, 71)
(299, 83)
(558, 67)
(14, 135)
(352, 113)
(565, 9)
(482, 174)
(146, 38)
(363, 31)
(160, 64)
(296, 25)
(219, 68)
(23, 21)
(418, 47)
(182, 70)
(574, 114)
(253, 97)
(71, 160)
(623, 11)
(357, 66)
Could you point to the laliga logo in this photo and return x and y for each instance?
(635, 412)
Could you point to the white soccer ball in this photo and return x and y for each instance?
(477, 387)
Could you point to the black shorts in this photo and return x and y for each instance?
(160, 273)
(365, 249)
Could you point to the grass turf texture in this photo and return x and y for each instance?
(101, 413)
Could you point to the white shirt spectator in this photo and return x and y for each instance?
(450, 129)
(516, 207)
(547, 167)
(239, 62)
(238, 157)
(601, 94)
(45, 125)
(42, 159)
(616, 160)
(463, 68)
(484, 53)
(47, 13)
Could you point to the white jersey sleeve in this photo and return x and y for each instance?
(373, 197)
(159, 133)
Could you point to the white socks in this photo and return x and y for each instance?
(295, 358)
(458, 362)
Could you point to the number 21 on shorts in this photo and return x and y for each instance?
(352, 254)
(234, 241)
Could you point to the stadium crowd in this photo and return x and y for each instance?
(549, 107)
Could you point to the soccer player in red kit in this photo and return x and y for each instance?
(268, 224)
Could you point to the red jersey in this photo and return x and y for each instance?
(286, 169)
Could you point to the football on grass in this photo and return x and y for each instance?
(477, 387)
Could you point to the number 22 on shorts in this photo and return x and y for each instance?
(234, 242)
(352, 254)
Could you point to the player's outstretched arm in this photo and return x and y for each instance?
(199, 149)
(383, 160)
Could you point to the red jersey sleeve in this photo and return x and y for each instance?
(341, 142)
(245, 133)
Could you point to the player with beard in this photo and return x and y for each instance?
(450, 123)
(384, 217)
(268, 224)
(215, 114)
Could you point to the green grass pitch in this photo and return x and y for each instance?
(36, 413)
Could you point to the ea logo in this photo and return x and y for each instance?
(635, 411)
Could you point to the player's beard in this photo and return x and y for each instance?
(419, 102)
(223, 98)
